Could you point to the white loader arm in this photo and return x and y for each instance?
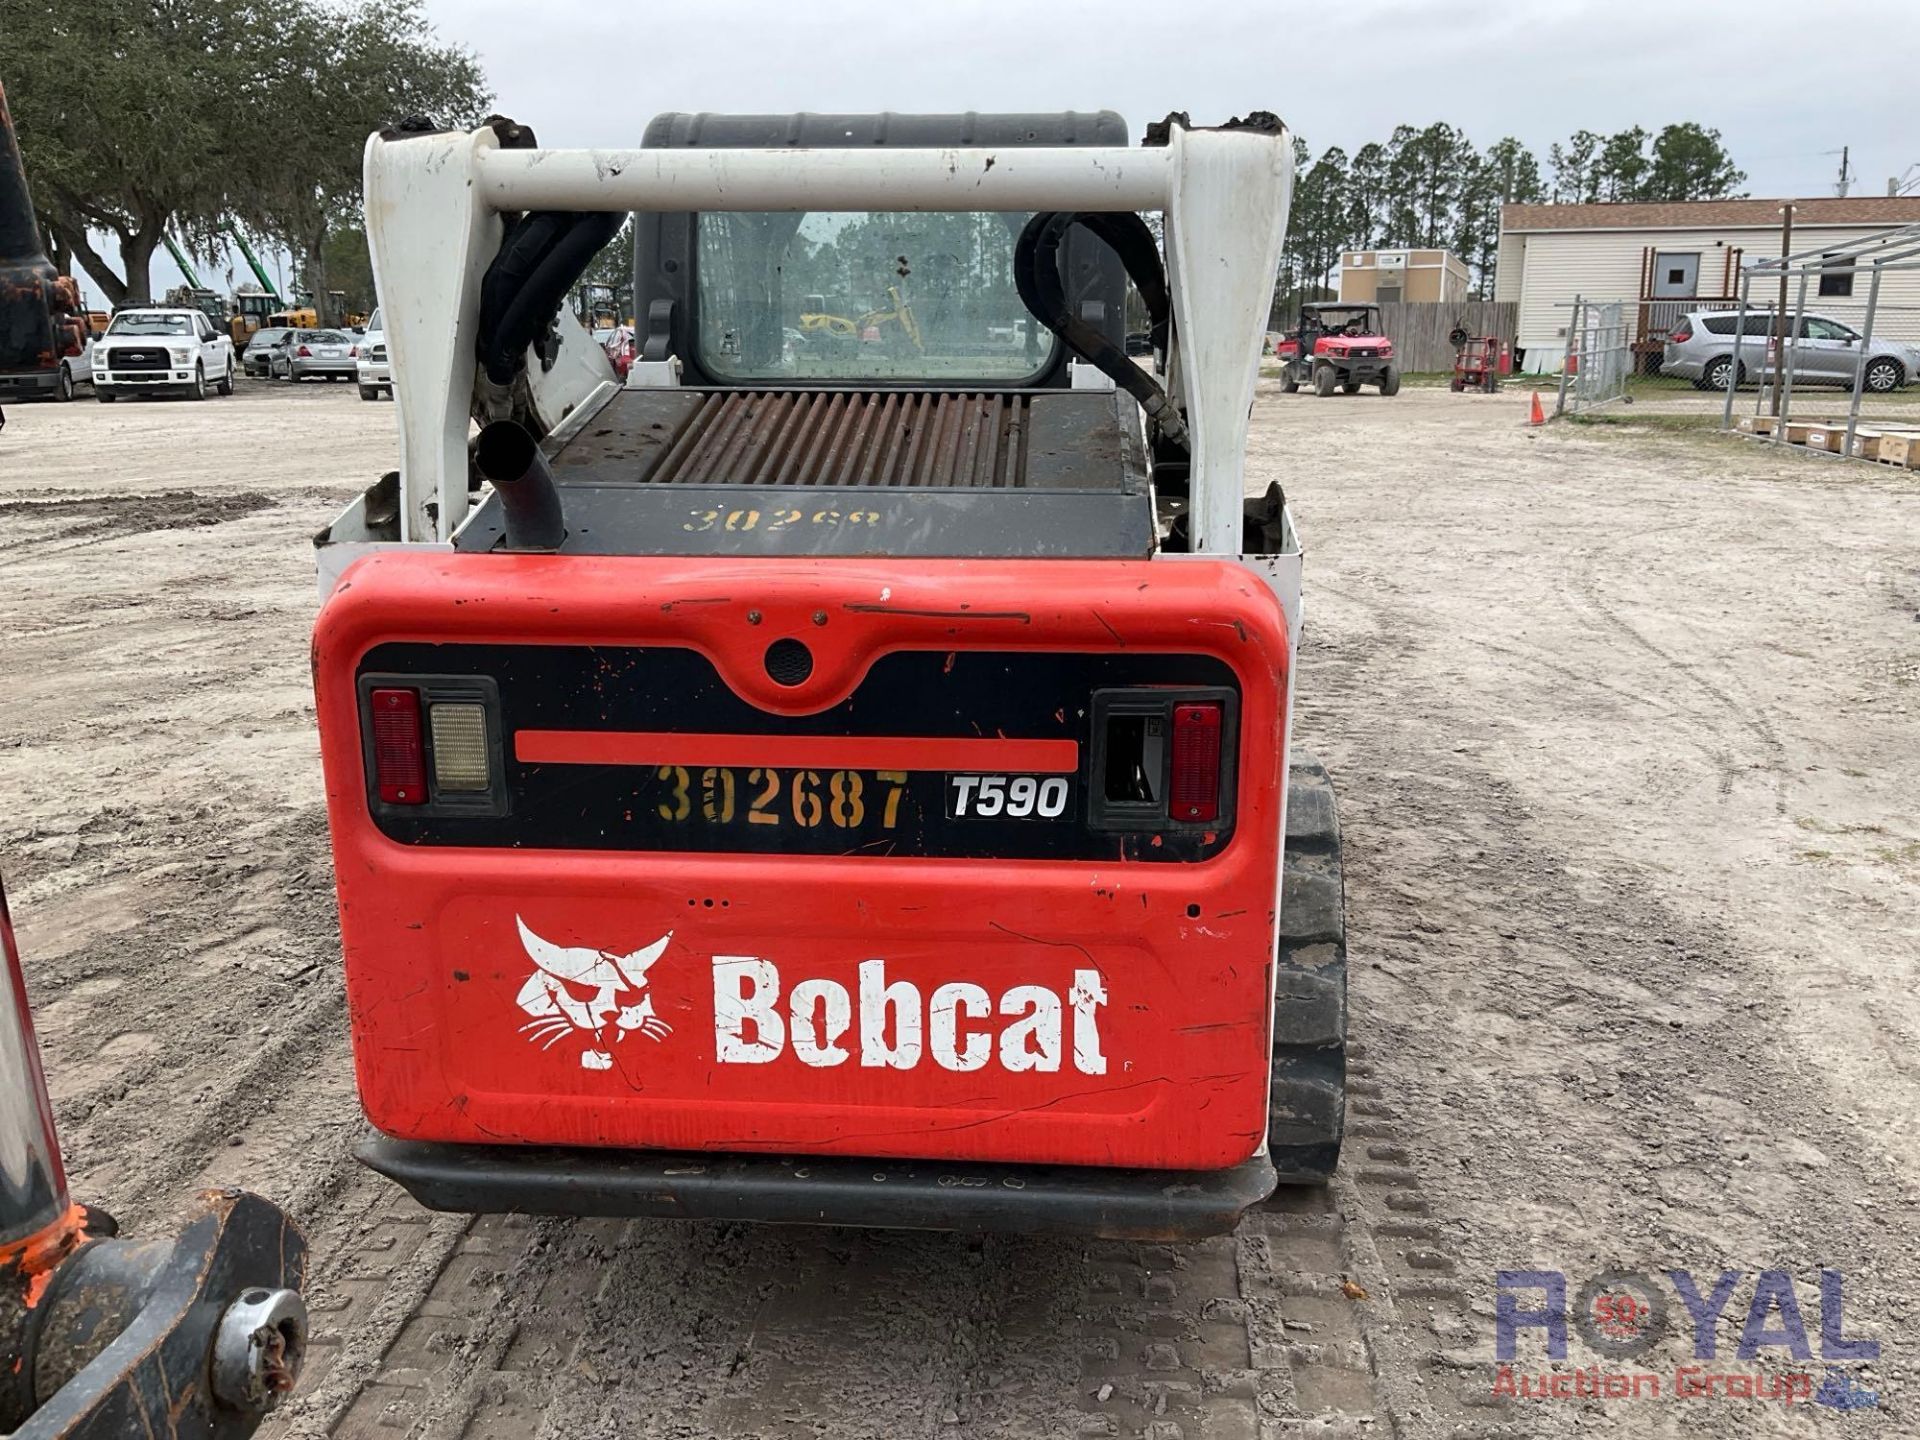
(433, 207)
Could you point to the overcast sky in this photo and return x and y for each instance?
(586, 72)
(1783, 88)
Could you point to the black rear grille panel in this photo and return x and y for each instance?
(684, 471)
(904, 439)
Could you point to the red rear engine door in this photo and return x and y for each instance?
(821, 857)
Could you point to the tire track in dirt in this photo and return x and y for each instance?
(1749, 716)
(1630, 1038)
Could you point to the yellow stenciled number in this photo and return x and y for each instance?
(896, 786)
(806, 798)
(847, 809)
(758, 814)
(716, 795)
(702, 520)
(680, 804)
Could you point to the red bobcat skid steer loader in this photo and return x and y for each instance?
(832, 783)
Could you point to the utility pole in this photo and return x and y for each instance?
(1780, 315)
(1846, 180)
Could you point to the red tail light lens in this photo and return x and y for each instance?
(353, 352)
(399, 758)
(1681, 335)
(305, 353)
(1194, 791)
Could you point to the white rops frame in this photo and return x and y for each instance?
(433, 207)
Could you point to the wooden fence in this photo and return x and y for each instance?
(1419, 330)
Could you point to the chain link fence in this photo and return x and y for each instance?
(1599, 360)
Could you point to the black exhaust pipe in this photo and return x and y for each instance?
(510, 459)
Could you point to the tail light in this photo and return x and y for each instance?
(1193, 788)
(433, 742)
(399, 753)
(1162, 760)
(1680, 335)
(353, 352)
(304, 353)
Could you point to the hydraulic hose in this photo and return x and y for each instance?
(528, 241)
(557, 270)
(1036, 274)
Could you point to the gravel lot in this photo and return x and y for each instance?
(1624, 723)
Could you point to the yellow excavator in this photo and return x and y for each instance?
(816, 319)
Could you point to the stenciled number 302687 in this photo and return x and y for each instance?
(1014, 797)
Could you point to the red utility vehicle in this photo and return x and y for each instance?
(1337, 346)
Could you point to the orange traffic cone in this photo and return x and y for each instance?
(1539, 416)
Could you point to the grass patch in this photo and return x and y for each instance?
(1821, 827)
(1629, 419)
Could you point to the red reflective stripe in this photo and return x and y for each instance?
(399, 758)
(821, 752)
(1194, 793)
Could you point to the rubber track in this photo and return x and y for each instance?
(1308, 1110)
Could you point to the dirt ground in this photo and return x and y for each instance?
(1624, 725)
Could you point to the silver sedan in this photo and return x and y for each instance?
(311, 354)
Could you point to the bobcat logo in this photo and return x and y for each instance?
(619, 999)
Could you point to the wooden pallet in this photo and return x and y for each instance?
(1899, 445)
(1866, 441)
(1900, 450)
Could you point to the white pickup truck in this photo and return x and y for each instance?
(172, 351)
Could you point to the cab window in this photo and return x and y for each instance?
(877, 296)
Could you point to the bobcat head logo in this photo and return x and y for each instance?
(615, 991)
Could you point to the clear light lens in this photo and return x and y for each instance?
(462, 759)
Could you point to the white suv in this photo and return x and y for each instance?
(173, 351)
(370, 361)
